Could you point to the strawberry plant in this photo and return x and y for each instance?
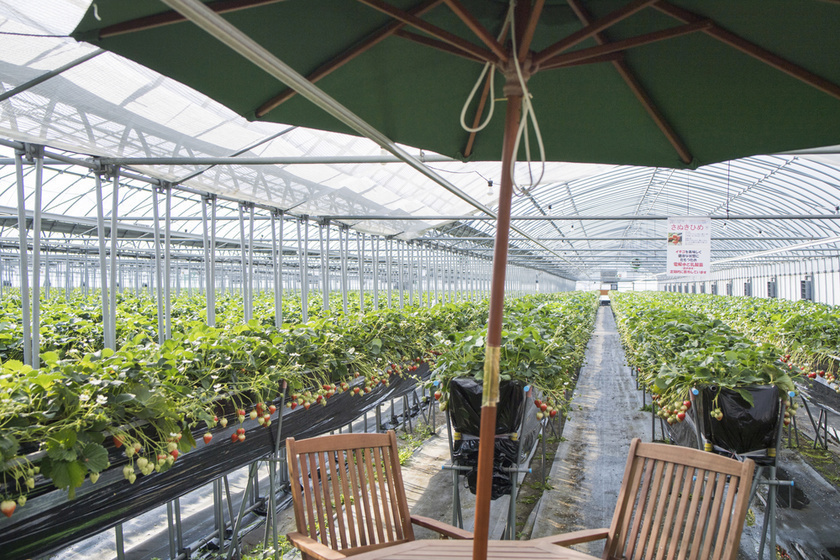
(676, 350)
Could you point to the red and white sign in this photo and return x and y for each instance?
(689, 246)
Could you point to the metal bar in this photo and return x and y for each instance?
(212, 286)
(244, 269)
(325, 290)
(120, 541)
(103, 267)
(361, 255)
(400, 265)
(167, 265)
(156, 213)
(374, 240)
(567, 218)
(51, 74)
(288, 160)
(388, 255)
(38, 155)
(304, 292)
(344, 246)
(250, 300)
(208, 281)
(278, 269)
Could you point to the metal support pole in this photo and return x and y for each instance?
(250, 284)
(278, 268)
(38, 155)
(401, 264)
(167, 265)
(304, 295)
(361, 255)
(374, 240)
(156, 214)
(325, 286)
(103, 265)
(24, 264)
(344, 247)
(208, 275)
(111, 337)
(301, 269)
(120, 541)
(243, 265)
(389, 254)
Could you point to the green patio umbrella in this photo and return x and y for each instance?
(672, 84)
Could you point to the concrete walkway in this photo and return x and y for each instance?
(606, 415)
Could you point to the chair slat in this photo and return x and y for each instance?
(659, 507)
(366, 532)
(328, 474)
(624, 507)
(685, 500)
(713, 520)
(726, 529)
(399, 504)
(637, 513)
(667, 523)
(382, 467)
(349, 529)
(648, 510)
(693, 512)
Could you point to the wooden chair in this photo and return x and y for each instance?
(349, 496)
(675, 503)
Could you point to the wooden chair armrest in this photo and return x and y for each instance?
(575, 537)
(313, 548)
(440, 527)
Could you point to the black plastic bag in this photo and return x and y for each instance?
(743, 428)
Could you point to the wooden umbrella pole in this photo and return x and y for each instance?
(490, 396)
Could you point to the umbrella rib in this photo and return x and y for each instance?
(476, 27)
(591, 29)
(345, 57)
(435, 44)
(528, 36)
(636, 87)
(753, 50)
(170, 17)
(432, 30)
(633, 42)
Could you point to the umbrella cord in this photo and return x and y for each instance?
(527, 114)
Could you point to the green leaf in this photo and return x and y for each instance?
(67, 475)
(95, 457)
(746, 396)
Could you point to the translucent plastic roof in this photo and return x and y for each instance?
(602, 217)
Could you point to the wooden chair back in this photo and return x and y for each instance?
(678, 503)
(348, 491)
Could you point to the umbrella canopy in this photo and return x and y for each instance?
(644, 82)
(671, 84)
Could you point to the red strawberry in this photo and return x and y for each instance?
(118, 441)
(8, 507)
(207, 437)
(272, 409)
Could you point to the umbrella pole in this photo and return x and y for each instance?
(490, 395)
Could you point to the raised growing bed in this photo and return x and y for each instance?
(50, 521)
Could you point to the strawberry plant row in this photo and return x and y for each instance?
(676, 350)
(139, 406)
(543, 346)
(50, 522)
(807, 333)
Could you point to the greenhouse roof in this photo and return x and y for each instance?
(580, 219)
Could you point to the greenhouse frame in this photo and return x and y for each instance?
(147, 215)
